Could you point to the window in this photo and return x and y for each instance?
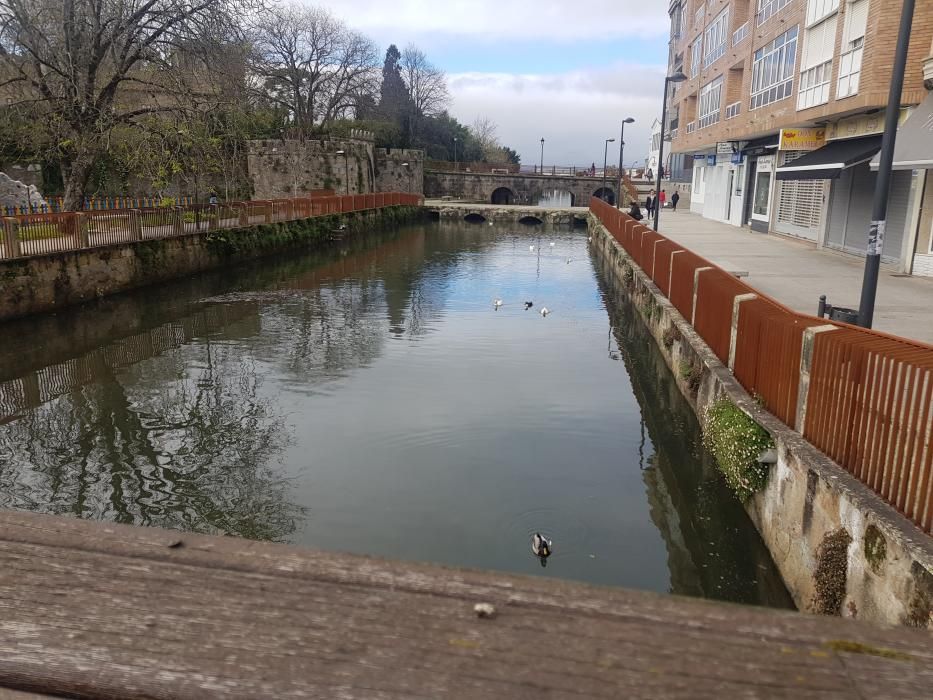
(683, 20)
(740, 34)
(733, 110)
(710, 101)
(820, 9)
(676, 21)
(816, 63)
(699, 15)
(773, 70)
(853, 40)
(696, 54)
(768, 8)
(715, 38)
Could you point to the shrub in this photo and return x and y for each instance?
(736, 441)
(692, 375)
(671, 335)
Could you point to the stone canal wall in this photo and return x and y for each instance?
(49, 282)
(831, 537)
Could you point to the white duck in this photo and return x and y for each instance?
(531, 248)
(552, 244)
(497, 303)
(545, 311)
(541, 545)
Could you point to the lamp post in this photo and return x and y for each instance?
(678, 77)
(605, 160)
(408, 165)
(456, 162)
(346, 164)
(627, 120)
(542, 156)
(879, 210)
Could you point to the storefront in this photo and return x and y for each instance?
(758, 178)
(799, 204)
(719, 178)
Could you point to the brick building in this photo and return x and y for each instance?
(782, 112)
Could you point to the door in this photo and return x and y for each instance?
(729, 185)
(761, 198)
(799, 204)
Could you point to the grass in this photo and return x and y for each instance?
(39, 231)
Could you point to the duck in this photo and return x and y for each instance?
(545, 311)
(541, 546)
(498, 303)
(528, 305)
(569, 260)
(552, 244)
(531, 248)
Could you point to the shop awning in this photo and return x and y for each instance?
(759, 146)
(828, 162)
(913, 148)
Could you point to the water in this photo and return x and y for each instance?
(371, 399)
(556, 199)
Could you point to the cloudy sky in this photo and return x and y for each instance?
(562, 70)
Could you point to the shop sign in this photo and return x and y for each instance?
(805, 139)
(737, 158)
(724, 149)
(711, 159)
(699, 156)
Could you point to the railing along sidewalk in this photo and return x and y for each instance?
(862, 397)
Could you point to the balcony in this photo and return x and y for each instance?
(741, 34)
(691, 127)
(733, 110)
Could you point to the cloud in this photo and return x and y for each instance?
(573, 111)
(506, 19)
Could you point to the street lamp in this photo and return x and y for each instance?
(408, 165)
(879, 210)
(605, 160)
(627, 120)
(542, 156)
(346, 163)
(678, 77)
(456, 162)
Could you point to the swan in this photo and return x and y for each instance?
(545, 311)
(541, 546)
(528, 305)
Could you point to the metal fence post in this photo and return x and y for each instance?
(178, 221)
(696, 284)
(136, 225)
(11, 237)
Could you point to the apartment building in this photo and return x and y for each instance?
(782, 113)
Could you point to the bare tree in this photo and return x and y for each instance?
(87, 67)
(427, 84)
(311, 64)
(485, 132)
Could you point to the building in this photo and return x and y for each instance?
(782, 113)
(654, 150)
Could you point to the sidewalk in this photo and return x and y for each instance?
(796, 274)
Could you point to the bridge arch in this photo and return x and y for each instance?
(607, 194)
(474, 218)
(530, 220)
(502, 195)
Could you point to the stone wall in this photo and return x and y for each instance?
(50, 282)
(828, 533)
(293, 168)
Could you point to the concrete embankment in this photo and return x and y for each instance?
(838, 546)
(50, 282)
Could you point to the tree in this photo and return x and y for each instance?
(484, 130)
(310, 64)
(394, 102)
(83, 68)
(426, 84)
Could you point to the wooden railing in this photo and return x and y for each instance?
(862, 397)
(42, 234)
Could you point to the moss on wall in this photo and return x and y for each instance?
(736, 441)
(876, 548)
(832, 565)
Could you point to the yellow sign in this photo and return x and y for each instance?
(804, 139)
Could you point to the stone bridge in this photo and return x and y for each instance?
(501, 214)
(515, 188)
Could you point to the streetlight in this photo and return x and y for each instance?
(678, 77)
(879, 210)
(456, 162)
(542, 156)
(605, 160)
(408, 165)
(346, 162)
(627, 120)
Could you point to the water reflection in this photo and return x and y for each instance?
(556, 199)
(367, 398)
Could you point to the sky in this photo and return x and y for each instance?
(564, 71)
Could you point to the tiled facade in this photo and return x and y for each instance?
(735, 67)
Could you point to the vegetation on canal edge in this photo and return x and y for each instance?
(832, 563)
(736, 441)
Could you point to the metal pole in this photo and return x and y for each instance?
(621, 176)
(542, 156)
(605, 158)
(657, 189)
(346, 163)
(879, 212)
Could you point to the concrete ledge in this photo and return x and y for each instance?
(888, 576)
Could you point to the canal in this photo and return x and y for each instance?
(372, 399)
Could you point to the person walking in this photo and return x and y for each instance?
(662, 199)
(649, 203)
(674, 199)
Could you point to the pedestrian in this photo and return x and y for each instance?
(649, 203)
(662, 199)
(674, 199)
(635, 212)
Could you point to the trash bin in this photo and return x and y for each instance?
(839, 313)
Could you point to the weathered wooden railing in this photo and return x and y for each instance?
(862, 397)
(41, 234)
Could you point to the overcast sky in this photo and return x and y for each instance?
(565, 71)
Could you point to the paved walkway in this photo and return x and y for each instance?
(796, 274)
